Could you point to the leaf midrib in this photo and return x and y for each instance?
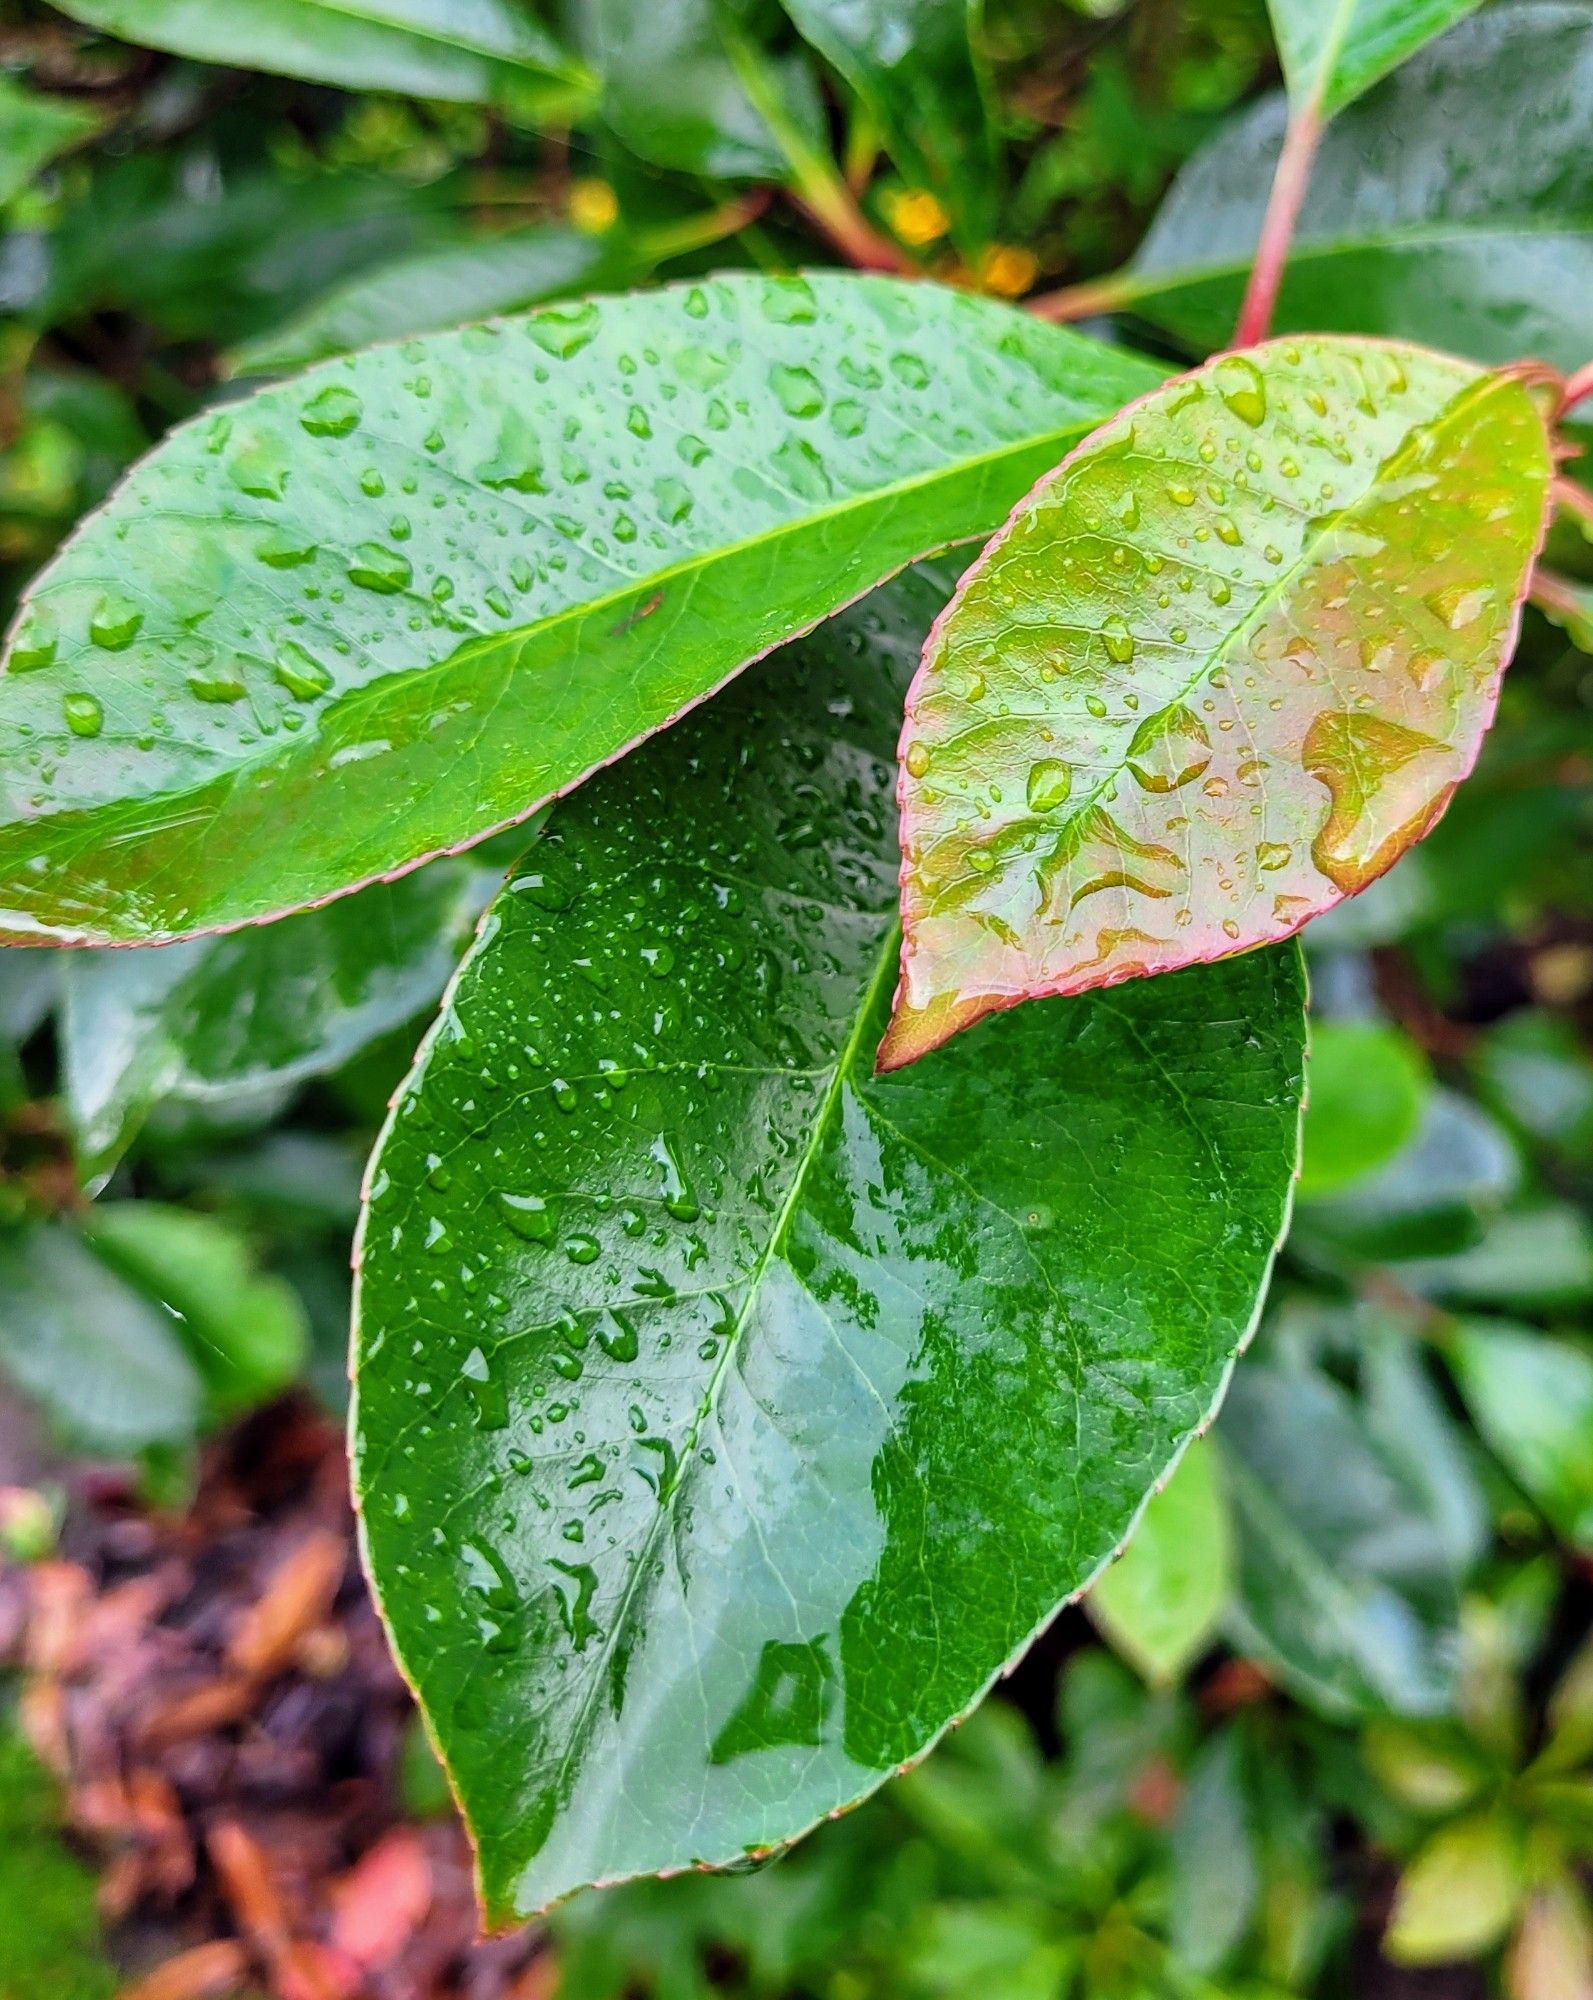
(884, 970)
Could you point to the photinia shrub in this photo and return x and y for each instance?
(754, 1344)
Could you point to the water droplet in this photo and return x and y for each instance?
(1119, 640)
(1273, 855)
(332, 412)
(1050, 782)
(216, 684)
(490, 1396)
(583, 1249)
(528, 1215)
(680, 1198)
(616, 1334)
(36, 641)
(1459, 605)
(796, 390)
(84, 716)
(1169, 749)
(373, 566)
(564, 330)
(115, 622)
(1241, 387)
(919, 759)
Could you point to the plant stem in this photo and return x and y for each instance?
(1554, 594)
(1575, 500)
(1577, 389)
(1083, 301)
(696, 232)
(1300, 143)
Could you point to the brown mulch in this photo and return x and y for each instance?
(215, 1693)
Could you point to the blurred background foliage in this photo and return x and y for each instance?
(1330, 1719)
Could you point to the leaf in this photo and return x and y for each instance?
(205, 1022)
(464, 51)
(1531, 1396)
(1532, 1259)
(245, 1331)
(913, 64)
(100, 1357)
(1160, 1603)
(1366, 1089)
(1335, 50)
(615, 506)
(675, 94)
(50, 1942)
(1347, 1582)
(1218, 671)
(1552, 1958)
(33, 130)
(1418, 223)
(710, 1392)
(436, 289)
(1458, 1897)
(1216, 1878)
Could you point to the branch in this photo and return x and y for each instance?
(1277, 229)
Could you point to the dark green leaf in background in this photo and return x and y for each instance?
(471, 51)
(727, 1416)
(1531, 1397)
(1454, 206)
(400, 601)
(33, 130)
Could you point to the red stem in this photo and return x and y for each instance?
(1575, 500)
(1578, 389)
(1554, 594)
(1277, 230)
(1083, 301)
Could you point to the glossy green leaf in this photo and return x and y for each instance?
(1533, 1258)
(1347, 1581)
(1420, 221)
(467, 51)
(675, 92)
(205, 1022)
(1334, 50)
(102, 1358)
(1531, 1396)
(245, 1330)
(914, 66)
(436, 289)
(402, 600)
(1459, 1895)
(1160, 1603)
(33, 130)
(1219, 670)
(1366, 1089)
(727, 1416)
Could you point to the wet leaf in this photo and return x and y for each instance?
(1218, 671)
(1161, 1601)
(33, 130)
(1347, 1577)
(403, 599)
(466, 51)
(1531, 1396)
(710, 1391)
(914, 65)
(1333, 50)
(207, 1022)
(1418, 222)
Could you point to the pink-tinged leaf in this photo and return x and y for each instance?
(1218, 671)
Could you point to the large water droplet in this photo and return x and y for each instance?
(300, 672)
(1050, 782)
(332, 412)
(1169, 749)
(115, 622)
(528, 1215)
(796, 390)
(373, 566)
(1119, 640)
(1241, 386)
(36, 641)
(84, 716)
(680, 1199)
(490, 1396)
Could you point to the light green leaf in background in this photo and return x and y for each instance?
(1348, 1585)
(401, 600)
(206, 1022)
(468, 51)
(1418, 222)
(1367, 1086)
(1333, 50)
(711, 1391)
(1460, 1894)
(1216, 1875)
(33, 130)
(1160, 1603)
(915, 66)
(1531, 1396)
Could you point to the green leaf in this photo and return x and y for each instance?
(103, 1359)
(1418, 223)
(50, 1945)
(33, 130)
(1160, 1603)
(404, 599)
(465, 51)
(1531, 1259)
(1216, 1882)
(1218, 671)
(675, 93)
(1531, 1396)
(914, 66)
(436, 289)
(246, 1332)
(711, 1392)
(1458, 1897)
(206, 1022)
(1334, 50)
(1347, 1583)
(1367, 1086)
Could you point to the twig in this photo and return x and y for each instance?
(1575, 500)
(1277, 229)
(1577, 389)
(1095, 295)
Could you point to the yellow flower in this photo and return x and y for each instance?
(915, 215)
(593, 206)
(1007, 270)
